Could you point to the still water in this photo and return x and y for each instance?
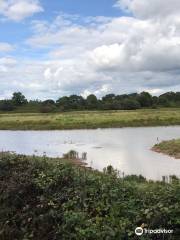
(126, 149)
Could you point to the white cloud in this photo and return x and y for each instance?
(6, 47)
(151, 54)
(108, 56)
(97, 55)
(9, 61)
(150, 8)
(99, 92)
(47, 74)
(153, 91)
(18, 10)
(127, 53)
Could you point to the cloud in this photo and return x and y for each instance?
(122, 44)
(6, 64)
(61, 30)
(18, 10)
(109, 56)
(99, 92)
(153, 54)
(9, 61)
(127, 53)
(149, 8)
(100, 55)
(6, 47)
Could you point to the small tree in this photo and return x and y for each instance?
(92, 102)
(18, 99)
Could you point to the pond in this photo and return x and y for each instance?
(126, 149)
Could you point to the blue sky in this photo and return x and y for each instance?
(82, 7)
(61, 47)
(15, 32)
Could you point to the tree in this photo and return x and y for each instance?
(108, 97)
(130, 104)
(163, 101)
(170, 96)
(48, 106)
(76, 102)
(92, 102)
(145, 99)
(48, 102)
(177, 97)
(18, 99)
(63, 103)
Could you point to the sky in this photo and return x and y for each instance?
(49, 49)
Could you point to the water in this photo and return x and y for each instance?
(126, 149)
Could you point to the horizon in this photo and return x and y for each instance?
(67, 47)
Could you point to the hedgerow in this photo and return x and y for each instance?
(42, 199)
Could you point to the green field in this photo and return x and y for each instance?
(171, 148)
(45, 199)
(89, 119)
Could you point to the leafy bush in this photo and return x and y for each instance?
(44, 199)
(6, 105)
(47, 108)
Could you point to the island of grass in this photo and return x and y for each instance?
(43, 198)
(171, 148)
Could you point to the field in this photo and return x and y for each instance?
(45, 199)
(89, 119)
(171, 148)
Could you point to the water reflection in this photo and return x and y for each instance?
(127, 149)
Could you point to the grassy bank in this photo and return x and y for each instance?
(42, 199)
(171, 148)
(93, 119)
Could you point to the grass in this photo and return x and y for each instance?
(89, 119)
(171, 148)
(44, 199)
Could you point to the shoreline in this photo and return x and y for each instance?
(156, 150)
(85, 128)
(169, 148)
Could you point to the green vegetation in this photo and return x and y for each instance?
(19, 103)
(44, 199)
(171, 148)
(89, 119)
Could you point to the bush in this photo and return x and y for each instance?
(47, 108)
(42, 199)
(130, 104)
(6, 105)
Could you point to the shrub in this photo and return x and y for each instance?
(6, 105)
(42, 199)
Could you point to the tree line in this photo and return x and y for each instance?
(75, 102)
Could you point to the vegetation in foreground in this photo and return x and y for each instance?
(89, 119)
(171, 148)
(42, 199)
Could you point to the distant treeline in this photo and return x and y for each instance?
(108, 102)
